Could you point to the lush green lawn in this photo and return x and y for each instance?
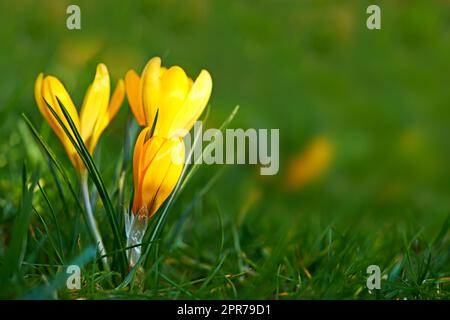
(309, 68)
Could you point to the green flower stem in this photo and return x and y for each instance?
(91, 221)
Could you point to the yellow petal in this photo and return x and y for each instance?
(150, 87)
(113, 108)
(134, 95)
(137, 156)
(52, 89)
(174, 87)
(193, 106)
(173, 173)
(95, 104)
(162, 174)
(148, 152)
(38, 89)
(38, 95)
(42, 105)
(116, 99)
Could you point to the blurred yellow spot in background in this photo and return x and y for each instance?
(78, 52)
(309, 164)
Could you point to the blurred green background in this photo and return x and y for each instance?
(380, 99)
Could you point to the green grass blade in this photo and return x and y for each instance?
(47, 291)
(55, 220)
(16, 249)
(51, 155)
(56, 167)
(443, 232)
(49, 236)
(199, 195)
(195, 166)
(96, 178)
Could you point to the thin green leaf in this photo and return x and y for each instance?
(48, 291)
(51, 155)
(96, 178)
(49, 236)
(55, 220)
(16, 249)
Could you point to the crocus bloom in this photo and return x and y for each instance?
(96, 113)
(157, 166)
(178, 100)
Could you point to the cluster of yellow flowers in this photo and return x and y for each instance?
(165, 94)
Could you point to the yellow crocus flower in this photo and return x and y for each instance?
(96, 112)
(178, 100)
(157, 166)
